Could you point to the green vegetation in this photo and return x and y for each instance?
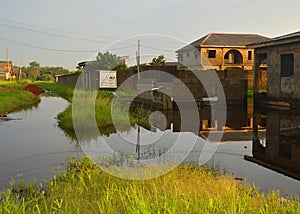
(14, 98)
(63, 90)
(250, 93)
(160, 60)
(102, 110)
(35, 72)
(85, 188)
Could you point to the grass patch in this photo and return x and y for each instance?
(102, 111)
(17, 99)
(63, 90)
(84, 188)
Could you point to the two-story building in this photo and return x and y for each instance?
(220, 51)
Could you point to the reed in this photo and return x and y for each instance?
(85, 188)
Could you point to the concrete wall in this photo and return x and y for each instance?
(282, 88)
(67, 79)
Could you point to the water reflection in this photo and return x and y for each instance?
(279, 148)
(33, 145)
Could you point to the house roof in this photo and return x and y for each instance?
(226, 40)
(280, 40)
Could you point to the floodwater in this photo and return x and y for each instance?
(35, 146)
(32, 145)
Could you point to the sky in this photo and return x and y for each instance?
(65, 32)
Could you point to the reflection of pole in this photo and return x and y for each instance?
(138, 59)
(138, 144)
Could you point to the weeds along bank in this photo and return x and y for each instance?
(13, 97)
(85, 188)
(101, 110)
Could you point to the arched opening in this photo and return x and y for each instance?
(233, 57)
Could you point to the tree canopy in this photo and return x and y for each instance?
(160, 60)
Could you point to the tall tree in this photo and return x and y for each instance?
(34, 70)
(107, 61)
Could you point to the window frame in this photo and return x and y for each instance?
(287, 65)
(211, 54)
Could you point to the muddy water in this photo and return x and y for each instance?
(32, 145)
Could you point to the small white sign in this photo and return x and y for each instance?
(108, 79)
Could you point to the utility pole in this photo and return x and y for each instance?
(138, 58)
(20, 71)
(7, 61)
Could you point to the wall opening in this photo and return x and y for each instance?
(233, 57)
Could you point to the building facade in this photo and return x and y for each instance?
(220, 51)
(281, 57)
(5, 68)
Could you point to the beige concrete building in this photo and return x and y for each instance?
(220, 51)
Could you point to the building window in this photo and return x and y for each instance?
(188, 54)
(287, 65)
(212, 54)
(249, 55)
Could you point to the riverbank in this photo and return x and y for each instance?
(102, 110)
(13, 97)
(85, 188)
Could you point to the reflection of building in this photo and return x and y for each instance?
(281, 57)
(238, 125)
(279, 150)
(220, 51)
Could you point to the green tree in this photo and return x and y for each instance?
(107, 60)
(160, 60)
(34, 70)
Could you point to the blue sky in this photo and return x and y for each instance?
(36, 30)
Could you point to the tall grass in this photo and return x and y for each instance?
(14, 84)
(88, 108)
(63, 90)
(84, 188)
(16, 99)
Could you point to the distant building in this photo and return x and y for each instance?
(281, 58)
(220, 51)
(5, 68)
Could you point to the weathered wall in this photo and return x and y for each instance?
(282, 88)
(67, 79)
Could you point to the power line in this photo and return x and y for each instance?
(158, 48)
(63, 50)
(58, 30)
(63, 31)
(53, 34)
